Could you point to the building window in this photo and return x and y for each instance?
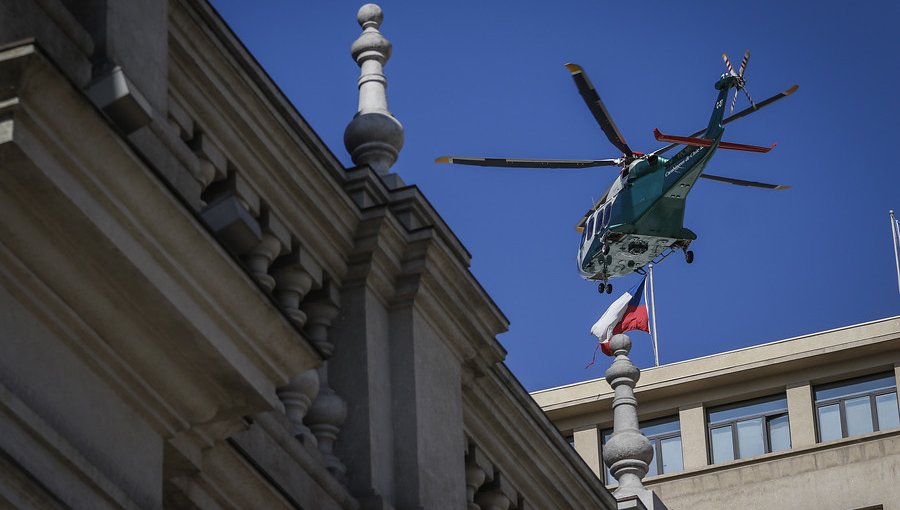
(750, 428)
(858, 406)
(665, 438)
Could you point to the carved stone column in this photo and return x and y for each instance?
(328, 411)
(274, 240)
(294, 274)
(211, 162)
(628, 452)
(297, 396)
(492, 499)
(475, 477)
(495, 495)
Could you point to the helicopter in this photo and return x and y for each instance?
(640, 218)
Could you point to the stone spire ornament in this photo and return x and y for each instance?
(374, 137)
(628, 452)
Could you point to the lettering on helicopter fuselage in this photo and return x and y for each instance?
(681, 164)
(719, 103)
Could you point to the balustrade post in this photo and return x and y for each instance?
(274, 240)
(328, 411)
(294, 274)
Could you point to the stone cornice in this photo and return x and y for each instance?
(500, 417)
(227, 90)
(450, 303)
(93, 235)
(410, 256)
(44, 453)
(221, 91)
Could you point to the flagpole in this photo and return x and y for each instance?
(653, 315)
(895, 234)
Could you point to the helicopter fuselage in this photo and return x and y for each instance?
(642, 216)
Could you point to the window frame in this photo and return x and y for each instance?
(656, 442)
(840, 401)
(767, 416)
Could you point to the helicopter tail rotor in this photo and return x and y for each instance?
(740, 85)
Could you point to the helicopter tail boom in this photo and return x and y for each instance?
(705, 142)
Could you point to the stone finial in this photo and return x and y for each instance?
(628, 452)
(374, 137)
(370, 15)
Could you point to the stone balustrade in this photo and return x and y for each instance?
(487, 488)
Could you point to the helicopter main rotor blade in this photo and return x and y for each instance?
(736, 116)
(753, 107)
(741, 182)
(528, 163)
(598, 109)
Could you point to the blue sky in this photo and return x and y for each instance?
(484, 78)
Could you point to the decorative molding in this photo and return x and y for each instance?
(110, 239)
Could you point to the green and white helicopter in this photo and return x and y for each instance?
(640, 218)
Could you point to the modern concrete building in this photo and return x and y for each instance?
(806, 423)
(200, 307)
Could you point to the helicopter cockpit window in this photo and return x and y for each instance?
(605, 222)
(590, 227)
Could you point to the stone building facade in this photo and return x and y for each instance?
(200, 307)
(807, 423)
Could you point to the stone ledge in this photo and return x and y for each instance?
(108, 239)
(36, 447)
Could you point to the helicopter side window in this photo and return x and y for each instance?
(590, 228)
(606, 215)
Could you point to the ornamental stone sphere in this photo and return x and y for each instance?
(374, 139)
(371, 44)
(628, 449)
(370, 15)
(619, 343)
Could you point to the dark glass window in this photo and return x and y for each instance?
(857, 406)
(605, 221)
(750, 428)
(590, 227)
(665, 438)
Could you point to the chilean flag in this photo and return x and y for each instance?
(628, 313)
